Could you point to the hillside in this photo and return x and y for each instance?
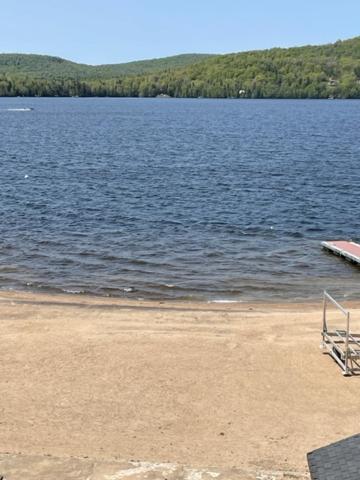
(149, 66)
(331, 70)
(324, 71)
(47, 67)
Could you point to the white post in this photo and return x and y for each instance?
(324, 329)
(347, 344)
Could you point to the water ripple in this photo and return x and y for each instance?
(188, 199)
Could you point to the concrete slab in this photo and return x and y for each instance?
(38, 467)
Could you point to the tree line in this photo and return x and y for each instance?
(308, 72)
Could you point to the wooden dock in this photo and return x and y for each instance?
(348, 250)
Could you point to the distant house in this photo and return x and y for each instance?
(332, 82)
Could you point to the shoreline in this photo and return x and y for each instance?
(83, 297)
(226, 385)
(156, 97)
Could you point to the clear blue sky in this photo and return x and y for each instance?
(112, 31)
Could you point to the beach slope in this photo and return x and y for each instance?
(223, 385)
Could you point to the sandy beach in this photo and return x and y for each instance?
(231, 386)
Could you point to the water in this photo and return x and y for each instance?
(179, 199)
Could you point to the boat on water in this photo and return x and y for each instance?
(24, 109)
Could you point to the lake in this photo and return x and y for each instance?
(210, 200)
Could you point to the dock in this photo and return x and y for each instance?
(348, 250)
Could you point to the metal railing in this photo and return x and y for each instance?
(337, 342)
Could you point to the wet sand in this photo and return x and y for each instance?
(223, 385)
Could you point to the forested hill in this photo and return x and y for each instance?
(47, 67)
(331, 70)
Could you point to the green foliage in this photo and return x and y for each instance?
(46, 67)
(324, 71)
(149, 66)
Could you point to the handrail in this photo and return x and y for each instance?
(345, 362)
(329, 297)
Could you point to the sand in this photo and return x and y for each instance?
(223, 385)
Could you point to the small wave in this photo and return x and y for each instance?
(74, 291)
(129, 289)
(214, 254)
(224, 301)
(8, 268)
(138, 261)
(111, 258)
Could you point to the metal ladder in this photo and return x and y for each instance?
(341, 344)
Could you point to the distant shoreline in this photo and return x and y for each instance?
(178, 98)
(323, 71)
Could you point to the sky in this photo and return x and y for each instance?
(116, 31)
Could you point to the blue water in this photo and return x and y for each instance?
(179, 199)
